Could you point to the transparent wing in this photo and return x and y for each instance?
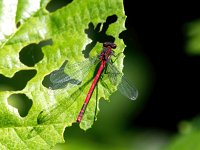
(73, 74)
(52, 113)
(124, 85)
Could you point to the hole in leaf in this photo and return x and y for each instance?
(32, 53)
(21, 102)
(53, 5)
(18, 24)
(98, 35)
(17, 82)
(48, 83)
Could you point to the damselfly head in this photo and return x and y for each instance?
(112, 45)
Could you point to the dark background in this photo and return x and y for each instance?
(160, 32)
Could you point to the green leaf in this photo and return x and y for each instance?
(193, 37)
(28, 23)
(189, 136)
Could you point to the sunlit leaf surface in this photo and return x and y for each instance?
(25, 28)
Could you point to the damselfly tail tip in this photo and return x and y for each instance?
(78, 121)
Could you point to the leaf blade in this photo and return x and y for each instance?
(59, 26)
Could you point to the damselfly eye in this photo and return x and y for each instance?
(112, 45)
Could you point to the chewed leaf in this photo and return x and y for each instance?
(29, 24)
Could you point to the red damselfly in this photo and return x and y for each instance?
(114, 75)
